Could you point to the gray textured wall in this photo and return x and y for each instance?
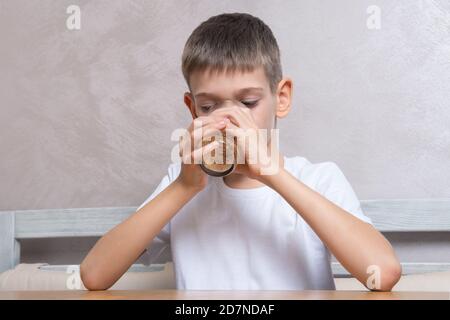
(86, 116)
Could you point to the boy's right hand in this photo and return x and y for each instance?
(192, 151)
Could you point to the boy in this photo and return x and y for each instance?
(247, 230)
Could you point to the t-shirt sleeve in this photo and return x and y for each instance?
(336, 188)
(162, 240)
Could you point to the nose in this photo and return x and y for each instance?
(230, 103)
(227, 102)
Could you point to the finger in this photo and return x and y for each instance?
(247, 114)
(236, 115)
(206, 133)
(192, 140)
(200, 153)
(227, 111)
(206, 120)
(235, 131)
(246, 138)
(214, 125)
(200, 122)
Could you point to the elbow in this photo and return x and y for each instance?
(91, 279)
(391, 276)
(388, 277)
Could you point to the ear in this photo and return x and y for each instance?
(189, 102)
(284, 97)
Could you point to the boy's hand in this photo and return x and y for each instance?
(257, 154)
(192, 151)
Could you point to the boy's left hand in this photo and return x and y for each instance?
(258, 155)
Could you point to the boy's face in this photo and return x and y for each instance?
(213, 90)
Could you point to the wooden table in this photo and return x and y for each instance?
(222, 295)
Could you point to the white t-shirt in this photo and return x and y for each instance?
(252, 239)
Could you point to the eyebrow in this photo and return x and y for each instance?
(237, 93)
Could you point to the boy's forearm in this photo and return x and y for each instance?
(119, 248)
(356, 244)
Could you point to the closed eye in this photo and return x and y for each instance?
(206, 108)
(250, 103)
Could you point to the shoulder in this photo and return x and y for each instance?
(328, 179)
(320, 176)
(303, 168)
